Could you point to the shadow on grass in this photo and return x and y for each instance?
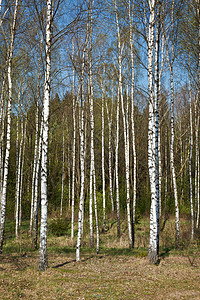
(73, 260)
(163, 254)
(15, 262)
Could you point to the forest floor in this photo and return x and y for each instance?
(116, 273)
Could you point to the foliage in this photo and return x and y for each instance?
(60, 226)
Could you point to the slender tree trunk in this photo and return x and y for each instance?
(43, 261)
(170, 63)
(126, 139)
(34, 167)
(190, 163)
(7, 151)
(91, 209)
(197, 223)
(81, 200)
(172, 162)
(82, 157)
(197, 124)
(103, 151)
(157, 128)
(22, 173)
(36, 190)
(17, 160)
(110, 156)
(18, 191)
(117, 167)
(166, 181)
(74, 148)
(63, 170)
(151, 139)
(196, 165)
(69, 177)
(132, 117)
(2, 122)
(36, 144)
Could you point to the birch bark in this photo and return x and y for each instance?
(63, 169)
(34, 178)
(43, 261)
(102, 147)
(117, 167)
(170, 63)
(36, 190)
(131, 38)
(151, 136)
(7, 151)
(74, 145)
(82, 157)
(190, 162)
(126, 139)
(22, 172)
(109, 115)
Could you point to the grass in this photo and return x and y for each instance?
(116, 273)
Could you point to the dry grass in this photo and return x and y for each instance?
(99, 277)
(116, 273)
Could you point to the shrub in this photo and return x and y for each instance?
(59, 226)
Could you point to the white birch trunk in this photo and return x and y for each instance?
(17, 156)
(117, 167)
(172, 161)
(190, 163)
(152, 141)
(132, 117)
(18, 191)
(81, 200)
(110, 156)
(172, 131)
(22, 173)
(197, 164)
(2, 122)
(82, 158)
(198, 169)
(157, 128)
(43, 261)
(36, 146)
(69, 177)
(102, 149)
(197, 177)
(126, 139)
(7, 151)
(92, 135)
(63, 170)
(74, 147)
(166, 181)
(36, 190)
(91, 209)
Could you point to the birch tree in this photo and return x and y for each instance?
(63, 168)
(126, 137)
(74, 144)
(36, 148)
(190, 162)
(131, 38)
(102, 147)
(43, 261)
(153, 131)
(7, 151)
(82, 154)
(171, 63)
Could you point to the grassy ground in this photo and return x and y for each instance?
(116, 273)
